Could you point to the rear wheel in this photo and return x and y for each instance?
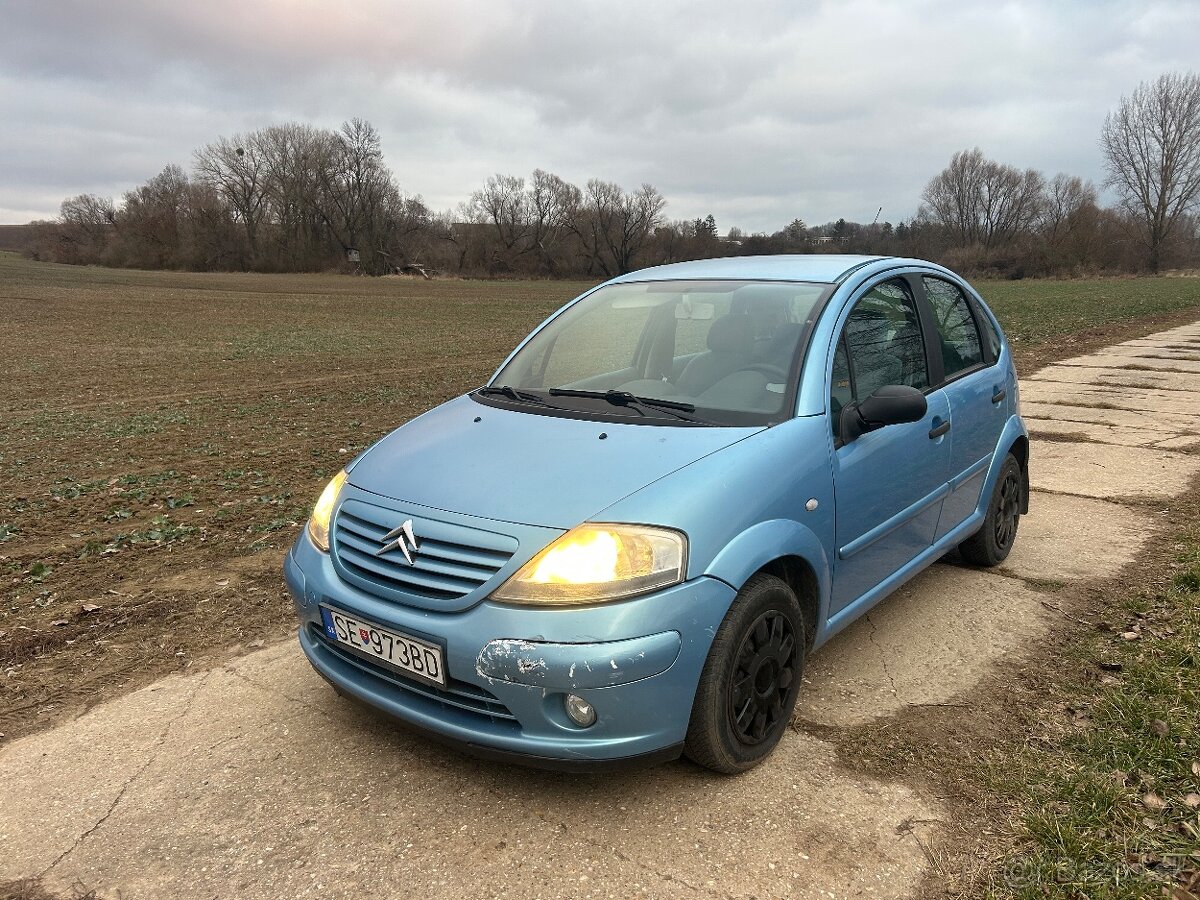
(748, 688)
(993, 542)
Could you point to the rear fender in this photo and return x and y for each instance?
(1014, 430)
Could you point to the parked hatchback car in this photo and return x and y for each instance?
(682, 483)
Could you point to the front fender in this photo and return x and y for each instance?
(766, 542)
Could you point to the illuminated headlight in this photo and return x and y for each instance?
(318, 522)
(593, 563)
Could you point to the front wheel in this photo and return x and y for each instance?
(993, 542)
(748, 688)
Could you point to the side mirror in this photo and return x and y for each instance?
(892, 404)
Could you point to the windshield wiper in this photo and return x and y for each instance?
(676, 408)
(507, 390)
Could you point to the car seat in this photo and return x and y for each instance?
(730, 341)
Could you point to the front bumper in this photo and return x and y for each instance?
(509, 668)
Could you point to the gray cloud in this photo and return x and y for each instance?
(758, 112)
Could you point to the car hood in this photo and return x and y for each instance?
(525, 467)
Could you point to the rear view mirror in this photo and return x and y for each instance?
(690, 309)
(892, 404)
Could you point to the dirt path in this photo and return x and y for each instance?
(252, 780)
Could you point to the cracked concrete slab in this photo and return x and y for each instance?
(1108, 471)
(1054, 430)
(1101, 538)
(928, 643)
(1118, 397)
(257, 781)
(1105, 396)
(1156, 351)
(1166, 421)
(1127, 364)
(1119, 377)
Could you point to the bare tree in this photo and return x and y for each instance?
(553, 202)
(982, 202)
(87, 226)
(1069, 225)
(1151, 147)
(354, 188)
(235, 168)
(613, 226)
(1066, 196)
(151, 224)
(504, 203)
(297, 158)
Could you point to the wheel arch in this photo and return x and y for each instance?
(799, 575)
(788, 550)
(1020, 449)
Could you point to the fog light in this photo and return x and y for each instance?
(580, 711)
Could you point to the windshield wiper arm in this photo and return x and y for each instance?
(507, 390)
(676, 408)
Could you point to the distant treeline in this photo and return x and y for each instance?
(298, 198)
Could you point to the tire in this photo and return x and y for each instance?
(992, 543)
(748, 688)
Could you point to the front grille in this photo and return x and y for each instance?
(451, 560)
(457, 695)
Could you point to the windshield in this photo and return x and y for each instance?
(724, 351)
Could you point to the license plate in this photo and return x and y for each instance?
(412, 656)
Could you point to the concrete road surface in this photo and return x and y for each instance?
(253, 780)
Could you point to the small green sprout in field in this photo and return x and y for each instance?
(151, 479)
(161, 531)
(38, 571)
(7, 532)
(291, 520)
(274, 499)
(142, 424)
(73, 490)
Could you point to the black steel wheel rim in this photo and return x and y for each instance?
(1008, 510)
(763, 673)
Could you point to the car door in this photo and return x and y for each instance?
(888, 483)
(976, 389)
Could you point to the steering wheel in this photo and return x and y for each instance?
(768, 369)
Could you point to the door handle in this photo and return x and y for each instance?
(938, 430)
(1000, 394)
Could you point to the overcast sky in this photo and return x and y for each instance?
(758, 112)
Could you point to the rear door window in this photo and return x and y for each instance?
(961, 348)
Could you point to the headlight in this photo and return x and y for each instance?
(318, 522)
(593, 563)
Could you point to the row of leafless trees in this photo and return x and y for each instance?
(290, 197)
(298, 198)
(990, 211)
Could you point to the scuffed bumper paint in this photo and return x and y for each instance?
(574, 666)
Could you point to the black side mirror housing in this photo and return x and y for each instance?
(892, 404)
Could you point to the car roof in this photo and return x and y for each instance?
(820, 267)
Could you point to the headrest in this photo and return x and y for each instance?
(731, 334)
(759, 299)
(785, 338)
